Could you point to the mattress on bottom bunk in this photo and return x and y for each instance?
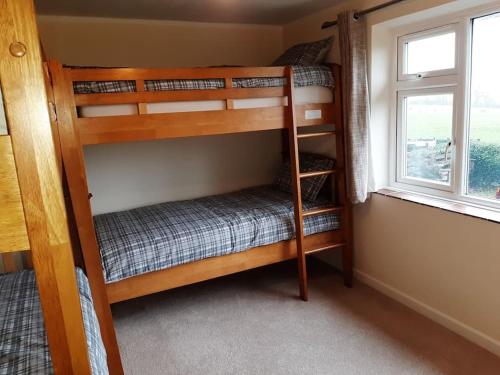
(23, 341)
(168, 234)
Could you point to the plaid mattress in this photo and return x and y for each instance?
(314, 75)
(23, 342)
(164, 235)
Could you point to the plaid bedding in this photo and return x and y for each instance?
(164, 235)
(23, 342)
(310, 187)
(314, 75)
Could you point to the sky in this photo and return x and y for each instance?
(438, 53)
(486, 56)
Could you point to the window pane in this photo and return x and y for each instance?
(429, 129)
(484, 134)
(432, 53)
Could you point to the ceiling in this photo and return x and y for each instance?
(273, 12)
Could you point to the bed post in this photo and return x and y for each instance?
(341, 150)
(40, 186)
(74, 168)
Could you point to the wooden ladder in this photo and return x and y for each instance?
(343, 208)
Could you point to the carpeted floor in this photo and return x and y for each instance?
(253, 323)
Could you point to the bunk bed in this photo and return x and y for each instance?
(24, 347)
(48, 323)
(150, 249)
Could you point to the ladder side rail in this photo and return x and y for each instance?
(296, 186)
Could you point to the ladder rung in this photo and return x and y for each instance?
(321, 210)
(317, 173)
(326, 247)
(318, 134)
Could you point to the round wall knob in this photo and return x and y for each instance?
(17, 49)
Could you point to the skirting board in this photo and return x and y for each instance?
(477, 337)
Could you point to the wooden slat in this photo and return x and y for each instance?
(317, 173)
(317, 134)
(117, 74)
(322, 210)
(210, 268)
(177, 96)
(326, 247)
(228, 84)
(13, 233)
(74, 167)
(142, 108)
(27, 113)
(9, 262)
(27, 260)
(114, 129)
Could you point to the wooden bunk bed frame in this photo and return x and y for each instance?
(75, 132)
(33, 216)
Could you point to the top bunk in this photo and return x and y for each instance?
(110, 105)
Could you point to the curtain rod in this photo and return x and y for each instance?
(328, 24)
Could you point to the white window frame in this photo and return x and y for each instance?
(433, 32)
(456, 80)
(402, 137)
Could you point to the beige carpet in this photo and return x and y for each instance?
(252, 323)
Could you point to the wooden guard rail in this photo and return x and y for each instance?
(144, 126)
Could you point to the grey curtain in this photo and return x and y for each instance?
(356, 106)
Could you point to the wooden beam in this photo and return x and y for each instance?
(112, 129)
(74, 167)
(291, 123)
(131, 74)
(13, 233)
(115, 129)
(9, 262)
(25, 102)
(177, 96)
(206, 269)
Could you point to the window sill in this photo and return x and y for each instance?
(444, 204)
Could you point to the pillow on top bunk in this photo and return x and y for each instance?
(312, 53)
(310, 186)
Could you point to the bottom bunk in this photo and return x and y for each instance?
(23, 342)
(153, 248)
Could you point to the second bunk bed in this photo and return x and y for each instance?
(48, 323)
(150, 249)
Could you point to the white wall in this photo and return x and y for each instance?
(129, 175)
(150, 43)
(443, 264)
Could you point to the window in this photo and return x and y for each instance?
(447, 140)
(426, 132)
(483, 146)
(428, 53)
